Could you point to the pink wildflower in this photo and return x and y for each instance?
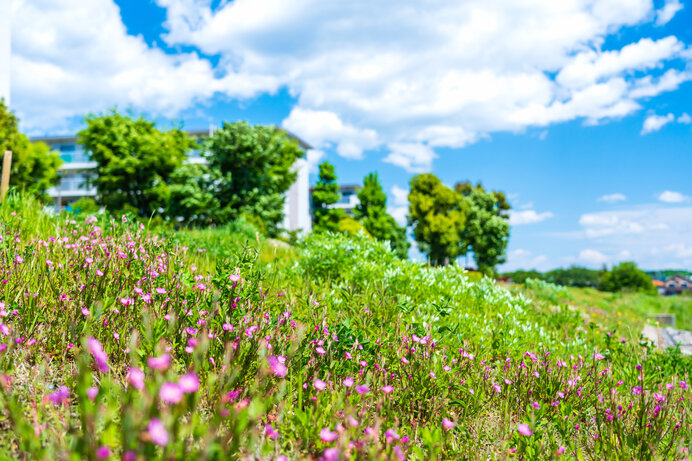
(159, 363)
(524, 430)
(348, 382)
(92, 392)
(362, 389)
(448, 424)
(100, 357)
(135, 377)
(387, 389)
(328, 436)
(277, 366)
(171, 393)
(189, 383)
(320, 385)
(157, 432)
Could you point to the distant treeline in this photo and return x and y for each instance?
(625, 276)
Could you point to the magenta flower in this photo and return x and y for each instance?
(348, 382)
(320, 350)
(637, 390)
(497, 388)
(320, 385)
(524, 430)
(271, 433)
(331, 454)
(234, 277)
(157, 433)
(86, 312)
(536, 405)
(277, 366)
(100, 357)
(328, 436)
(387, 389)
(390, 435)
(362, 389)
(161, 291)
(561, 450)
(103, 452)
(448, 424)
(159, 363)
(60, 396)
(189, 383)
(171, 393)
(598, 356)
(92, 392)
(135, 378)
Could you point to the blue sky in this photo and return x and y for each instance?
(579, 110)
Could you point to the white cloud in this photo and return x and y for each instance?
(517, 218)
(670, 196)
(612, 198)
(670, 9)
(656, 122)
(321, 128)
(591, 66)
(370, 74)
(398, 207)
(685, 119)
(413, 157)
(592, 257)
(314, 157)
(524, 259)
(656, 237)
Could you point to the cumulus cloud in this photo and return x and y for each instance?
(685, 119)
(313, 158)
(372, 75)
(413, 157)
(670, 196)
(321, 128)
(612, 198)
(655, 236)
(656, 122)
(518, 218)
(592, 257)
(398, 204)
(524, 259)
(670, 9)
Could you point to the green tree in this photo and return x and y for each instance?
(255, 164)
(134, 161)
(628, 277)
(372, 213)
(486, 233)
(520, 276)
(193, 195)
(325, 193)
(574, 276)
(438, 216)
(34, 166)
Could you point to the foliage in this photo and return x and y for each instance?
(134, 161)
(626, 276)
(192, 199)
(575, 276)
(348, 225)
(487, 231)
(438, 216)
(372, 213)
(521, 276)
(133, 344)
(34, 167)
(255, 164)
(85, 205)
(326, 193)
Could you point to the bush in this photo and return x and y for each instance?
(626, 276)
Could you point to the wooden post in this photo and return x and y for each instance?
(5, 183)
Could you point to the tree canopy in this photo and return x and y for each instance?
(325, 193)
(255, 168)
(628, 277)
(34, 166)
(438, 216)
(134, 161)
(372, 213)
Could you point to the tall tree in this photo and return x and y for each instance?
(372, 213)
(134, 161)
(34, 166)
(192, 198)
(628, 277)
(255, 164)
(326, 193)
(487, 228)
(438, 216)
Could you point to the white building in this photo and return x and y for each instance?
(5, 36)
(77, 166)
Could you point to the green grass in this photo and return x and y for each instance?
(443, 365)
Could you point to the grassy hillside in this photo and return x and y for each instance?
(123, 342)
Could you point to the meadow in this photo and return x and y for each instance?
(124, 341)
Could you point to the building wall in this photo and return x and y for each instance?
(297, 205)
(5, 35)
